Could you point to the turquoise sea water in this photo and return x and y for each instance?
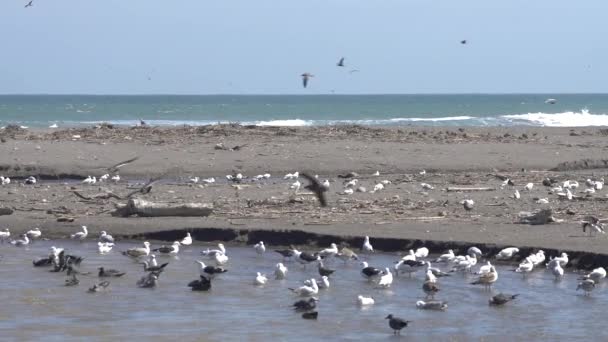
(290, 110)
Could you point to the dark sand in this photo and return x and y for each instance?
(451, 157)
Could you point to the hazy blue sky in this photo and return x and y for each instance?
(262, 46)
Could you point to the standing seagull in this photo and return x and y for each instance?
(396, 323)
(80, 235)
(186, 241)
(172, 250)
(105, 237)
(305, 77)
(367, 247)
(260, 248)
(341, 62)
(29, 4)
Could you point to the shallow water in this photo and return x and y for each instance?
(36, 304)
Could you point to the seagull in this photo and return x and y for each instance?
(5, 180)
(104, 178)
(364, 301)
(116, 178)
(435, 271)
(484, 269)
(430, 288)
(468, 204)
(562, 260)
(80, 235)
(516, 195)
(109, 273)
(525, 267)
(317, 188)
(426, 186)
(171, 250)
(367, 247)
(396, 324)
(369, 272)
(286, 253)
(449, 256)
(550, 101)
(386, 279)
(487, 279)
(341, 62)
(202, 284)
(296, 186)
(104, 247)
(89, 180)
(594, 225)
(152, 260)
(596, 275)
(213, 252)
(463, 42)
(557, 270)
(410, 256)
(280, 271)
(587, 286)
(529, 186)
(29, 4)
(209, 271)
(307, 291)
(421, 252)
(148, 281)
(260, 248)
(378, 187)
(323, 283)
(329, 252)
(138, 251)
(105, 237)
(502, 298)
(99, 286)
(154, 268)
(294, 175)
(324, 271)
(187, 240)
(34, 233)
(220, 259)
(474, 251)
(305, 77)
(326, 184)
(30, 180)
(538, 258)
(408, 266)
(193, 180)
(306, 305)
(507, 253)
(22, 242)
(432, 305)
(347, 254)
(209, 180)
(305, 258)
(466, 264)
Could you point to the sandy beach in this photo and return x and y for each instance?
(451, 157)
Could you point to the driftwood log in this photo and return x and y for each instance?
(140, 207)
(453, 188)
(543, 216)
(6, 211)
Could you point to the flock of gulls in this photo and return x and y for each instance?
(214, 262)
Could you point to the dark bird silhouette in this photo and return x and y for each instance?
(115, 167)
(155, 269)
(109, 273)
(463, 42)
(29, 4)
(202, 284)
(501, 299)
(286, 253)
(324, 271)
(100, 286)
(305, 305)
(396, 323)
(142, 122)
(305, 77)
(316, 187)
(341, 62)
(310, 315)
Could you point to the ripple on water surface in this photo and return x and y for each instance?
(41, 307)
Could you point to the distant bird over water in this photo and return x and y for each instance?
(341, 62)
(305, 77)
(29, 4)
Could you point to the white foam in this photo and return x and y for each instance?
(447, 118)
(565, 119)
(285, 123)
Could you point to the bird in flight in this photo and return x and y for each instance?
(341, 62)
(305, 77)
(463, 42)
(29, 4)
(317, 188)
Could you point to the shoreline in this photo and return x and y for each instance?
(452, 157)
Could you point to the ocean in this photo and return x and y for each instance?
(296, 110)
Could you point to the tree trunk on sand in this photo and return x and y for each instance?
(140, 207)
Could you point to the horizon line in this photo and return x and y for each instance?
(313, 94)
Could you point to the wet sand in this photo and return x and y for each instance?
(468, 157)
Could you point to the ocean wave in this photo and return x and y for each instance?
(565, 119)
(283, 123)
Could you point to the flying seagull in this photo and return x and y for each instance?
(463, 42)
(29, 4)
(316, 187)
(341, 62)
(115, 167)
(305, 77)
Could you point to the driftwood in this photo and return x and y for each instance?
(453, 188)
(106, 196)
(143, 208)
(6, 211)
(543, 216)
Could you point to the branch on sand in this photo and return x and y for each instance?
(6, 211)
(143, 208)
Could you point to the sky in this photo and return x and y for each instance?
(262, 46)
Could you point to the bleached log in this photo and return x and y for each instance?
(140, 207)
(453, 188)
